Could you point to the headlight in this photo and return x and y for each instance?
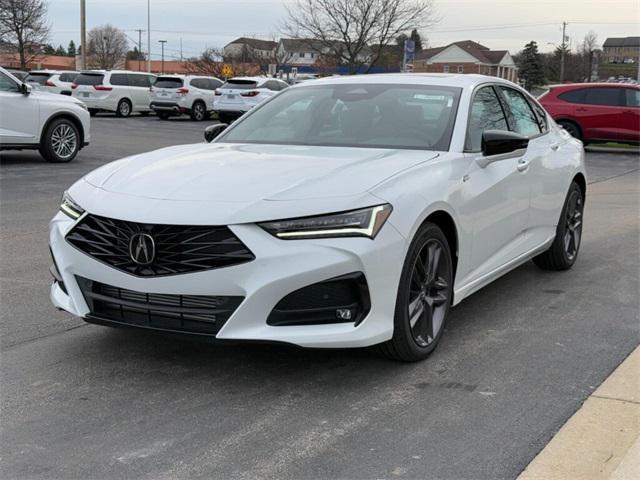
(365, 222)
(70, 207)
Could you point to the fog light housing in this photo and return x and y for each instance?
(343, 299)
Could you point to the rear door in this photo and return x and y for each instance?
(87, 85)
(139, 85)
(599, 112)
(165, 89)
(232, 92)
(631, 115)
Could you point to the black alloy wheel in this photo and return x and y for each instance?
(564, 250)
(424, 297)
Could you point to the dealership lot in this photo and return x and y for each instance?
(519, 357)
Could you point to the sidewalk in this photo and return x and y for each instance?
(602, 439)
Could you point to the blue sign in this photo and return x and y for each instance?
(409, 51)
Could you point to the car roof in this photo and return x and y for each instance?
(252, 79)
(50, 72)
(439, 79)
(103, 72)
(571, 86)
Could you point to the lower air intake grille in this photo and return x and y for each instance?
(181, 313)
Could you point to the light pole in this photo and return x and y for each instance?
(564, 37)
(162, 42)
(83, 36)
(149, 36)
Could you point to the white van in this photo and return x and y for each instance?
(118, 91)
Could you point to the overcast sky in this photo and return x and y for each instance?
(498, 24)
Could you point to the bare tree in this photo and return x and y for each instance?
(356, 31)
(24, 26)
(589, 46)
(211, 63)
(107, 46)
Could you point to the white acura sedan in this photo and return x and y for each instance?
(349, 212)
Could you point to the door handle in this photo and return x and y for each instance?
(523, 164)
(555, 146)
(581, 109)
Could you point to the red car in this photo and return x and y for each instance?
(596, 112)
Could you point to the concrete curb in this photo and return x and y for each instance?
(602, 439)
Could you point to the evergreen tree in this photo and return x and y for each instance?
(531, 69)
(415, 36)
(71, 49)
(60, 51)
(49, 49)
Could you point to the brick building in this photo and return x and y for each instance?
(467, 57)
(621, 50)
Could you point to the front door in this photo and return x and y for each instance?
(19, 114)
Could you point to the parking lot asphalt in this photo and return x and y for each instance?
(517, 359)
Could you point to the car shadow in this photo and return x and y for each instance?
(21, 157)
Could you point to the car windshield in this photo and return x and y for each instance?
(240, 84)
(350, 115)
(168, 82)
(89, 79)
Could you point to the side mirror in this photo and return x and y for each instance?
(498, 142)
(212, 131)
(25, 88)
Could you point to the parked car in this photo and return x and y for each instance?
(596, 112)
(178, 94)
(345, 212)
(239, 95)
(56, 125)
(116, 91)
(52, 81)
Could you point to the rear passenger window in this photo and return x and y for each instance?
(525, 121)
(197, 83)
(604, 96)
(633, 97)
(136, 80)
(214, 84)
(119, 79)
(486, 114)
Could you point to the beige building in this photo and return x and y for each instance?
(621, 50)
(250, 50)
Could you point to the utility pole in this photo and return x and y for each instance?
(564, 38)
(149, 36)
(139, 47)
(162, 42)
(180, 48)
(83, 36)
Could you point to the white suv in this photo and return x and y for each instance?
(52, 81)
(116, 91)
(241, 94)
(56, 125)
(178, 94)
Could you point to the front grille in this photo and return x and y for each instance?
(180, 313)
(178, 248)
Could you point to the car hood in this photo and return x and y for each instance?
(242, 173)
(238, 183)
(55, 97)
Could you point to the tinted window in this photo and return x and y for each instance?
(7, 85)
(486, 114)
(573, 96)
(524, 120)
(370, 115)
(89, 79)
(168, 82)
(604, 96)
(137, 80)
(39, 78)
(214, 83)
(119, 79)
(240, 84)
(632, 97)
(199, 83)
(68, 77)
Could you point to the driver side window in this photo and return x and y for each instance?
(486, 114)
(8, 85)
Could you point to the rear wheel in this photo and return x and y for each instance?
(124, 108)
(423, 298)
(61, 141)
(572, 128)
(198, 111)
(162, 115)
(564, 250)
(93, 112)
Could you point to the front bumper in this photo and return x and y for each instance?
(280, 268)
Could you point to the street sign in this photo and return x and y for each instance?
(227, 71)
(409, 55)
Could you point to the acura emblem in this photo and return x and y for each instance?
(142, 248)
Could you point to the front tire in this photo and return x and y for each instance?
(564, 250)
(424, 297)
(61, 141)
(572, 128)
(124, 108)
